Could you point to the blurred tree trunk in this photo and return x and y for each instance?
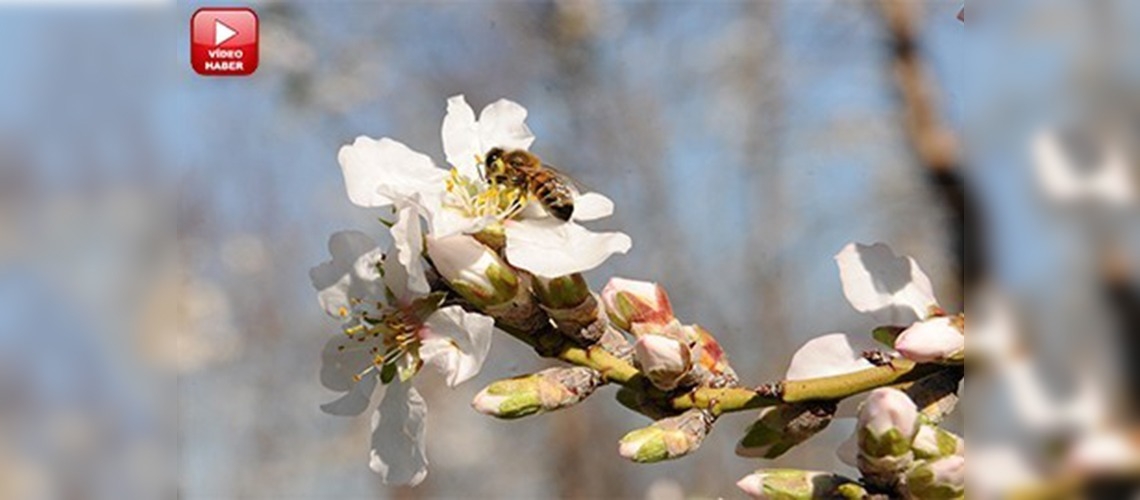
(934, 146)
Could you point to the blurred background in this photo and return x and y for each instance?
(159, 336)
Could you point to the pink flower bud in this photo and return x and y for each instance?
(665, 361)
(630, 301)
(937, 339)
(888, 421)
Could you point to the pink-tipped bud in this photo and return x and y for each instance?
(663, 360)
(629, 301)
(888, 421)
(936, 340)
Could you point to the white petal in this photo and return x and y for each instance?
(550, 248)
(337, 279)
(343, 359)
(398, 428)
(592, 206)
(407, 237)
(355, 401)
(457, 343)
(449, 222)
(368, 165)
(334, 297)
(826, 356)
(460, 135)
(892, 288)
(502, 124)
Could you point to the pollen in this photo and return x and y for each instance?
(476, 198)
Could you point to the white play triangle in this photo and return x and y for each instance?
(222, 32)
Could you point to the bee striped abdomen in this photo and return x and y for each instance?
(555, 196)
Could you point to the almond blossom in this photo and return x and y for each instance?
(392, 328)
(385, 172)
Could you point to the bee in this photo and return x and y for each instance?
(523, 170)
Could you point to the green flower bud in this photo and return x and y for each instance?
(780, 428)
(667, 438)
(939, 479)
(888, 420)
(793, 484)
(541, 392)
(934, 442)
(566, 292)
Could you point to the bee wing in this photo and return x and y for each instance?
(566, 179)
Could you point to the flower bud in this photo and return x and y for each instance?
(572, 307)
(663, 360)
(782, 427)
(799, 484)
(541, 392)
(629, 301)
(888, 421)
(667, 438)
(936, 340)
(564, 292)
(934, 442)
(473, 270)
(940, 478)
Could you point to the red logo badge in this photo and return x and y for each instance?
(223, 41)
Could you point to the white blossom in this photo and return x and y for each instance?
(385, 172)
(391, 325)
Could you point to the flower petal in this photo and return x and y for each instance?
(457, 343)
(338, 279)
(368, 165)
(408, 239)
(826, 356)
(460, 135)
(552, 248)
(356, 400)
(891, 288)
(398, 427)
(503, 124)
(592, 206)
(346, 366)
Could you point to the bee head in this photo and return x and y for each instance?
(493, 164)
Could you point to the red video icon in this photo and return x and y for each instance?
(223, 41)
